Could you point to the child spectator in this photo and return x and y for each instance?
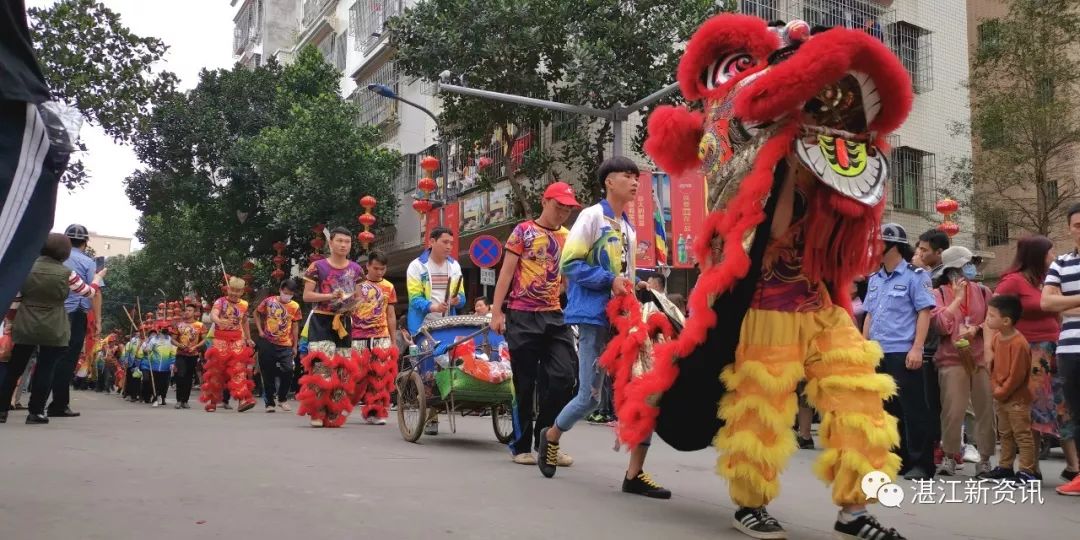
(1011, 357)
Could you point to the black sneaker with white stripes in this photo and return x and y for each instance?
(865, 527)
(757, 523)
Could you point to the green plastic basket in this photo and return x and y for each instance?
(468, 388)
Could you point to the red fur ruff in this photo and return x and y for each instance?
(214, 376)
(238, 371)
(327, 387)
(379, 383)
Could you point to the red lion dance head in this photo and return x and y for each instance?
(774, 98)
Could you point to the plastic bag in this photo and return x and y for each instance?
(480, 367)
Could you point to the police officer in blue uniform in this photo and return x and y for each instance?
(899, 302)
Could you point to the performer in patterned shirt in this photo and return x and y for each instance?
(373, 322)
(231, 353)
(187, 337)
(330, 370)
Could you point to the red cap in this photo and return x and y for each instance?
(562, 193)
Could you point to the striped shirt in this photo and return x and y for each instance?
(1064, 273)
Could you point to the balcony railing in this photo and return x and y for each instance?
(313, 8)
(367, 19)
(247, 25)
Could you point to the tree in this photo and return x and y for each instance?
(92, 61)
(598, 53)
(1025, 93)
(247, 158)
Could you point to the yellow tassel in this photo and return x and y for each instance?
(747, 486)
(882, 385)
(776, 420)
(751, 448)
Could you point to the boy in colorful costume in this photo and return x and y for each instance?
(231, 353)
(331, 367)
(791, 145)
(373, 322)
(187, 337)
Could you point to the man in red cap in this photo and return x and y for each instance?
(541, 343)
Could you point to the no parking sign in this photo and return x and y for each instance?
(485, 251)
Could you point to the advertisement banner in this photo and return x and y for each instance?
(640, 213)
(687, 211)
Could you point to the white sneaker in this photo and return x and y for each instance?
(370, 419)
(316, 423)
(971, 454)
(155, 404)
(947, 467)
(284, 407)
(379, 421)
(431, 429)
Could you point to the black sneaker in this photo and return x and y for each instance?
(37, 419)
(548, 455)
(865, 527)
(757, 523)
(1068, 475)
(1024, 477)
(1000, 473)
(917, 473)
(643, 484)
(805, 444)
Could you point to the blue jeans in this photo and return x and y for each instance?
(591, 342)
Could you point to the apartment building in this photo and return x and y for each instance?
(930, 36)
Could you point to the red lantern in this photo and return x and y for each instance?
(429, 163)
(318, 243)
(279, 260)
(426, 184)
(279, 246)
(947, 206)
(367, 201)
(422, 206)
(366, 220)
(277, 274)
(248, 265)
(365, 238)
(317, 257)
(318, 229)
(949, 228)
(484, 162)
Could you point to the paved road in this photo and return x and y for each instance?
(125, 471)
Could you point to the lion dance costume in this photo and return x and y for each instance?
(331, 366)
(229, 359)
(791, 146)
(374, 349)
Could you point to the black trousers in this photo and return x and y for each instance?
(933, 398)
(544, 362)
(185, 376)
(65, 366)
(155, 385)
(132, 386)
(276, 367)
(40, 381)
(911, 408)
(1068, 365)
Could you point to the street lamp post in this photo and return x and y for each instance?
(389, 93)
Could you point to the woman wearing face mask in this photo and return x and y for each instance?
(962, 371)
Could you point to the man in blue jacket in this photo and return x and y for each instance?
(598, 261)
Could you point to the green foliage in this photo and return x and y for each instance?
(275, 145)
(91, 60)
(1025, 89)
(599, 53)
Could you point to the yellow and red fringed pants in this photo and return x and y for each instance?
(331, 374)
(228, 362)
(776, 350)
(378, 362)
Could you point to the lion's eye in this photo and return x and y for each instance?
(725, 69)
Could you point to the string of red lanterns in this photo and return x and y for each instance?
(318, 242)
(426, 185)
(367, 219)
(947, 207)
(278, 274)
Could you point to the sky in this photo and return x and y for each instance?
(199, 35)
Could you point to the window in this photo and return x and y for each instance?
(312, 9)
(997, 228)
(913, 179)
(989, 36)
(246, 26)
(563, 125)
(765, 9)
(1049, 192)
(376, 110)
(911, 44)
(368, 19)
(341, 43)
